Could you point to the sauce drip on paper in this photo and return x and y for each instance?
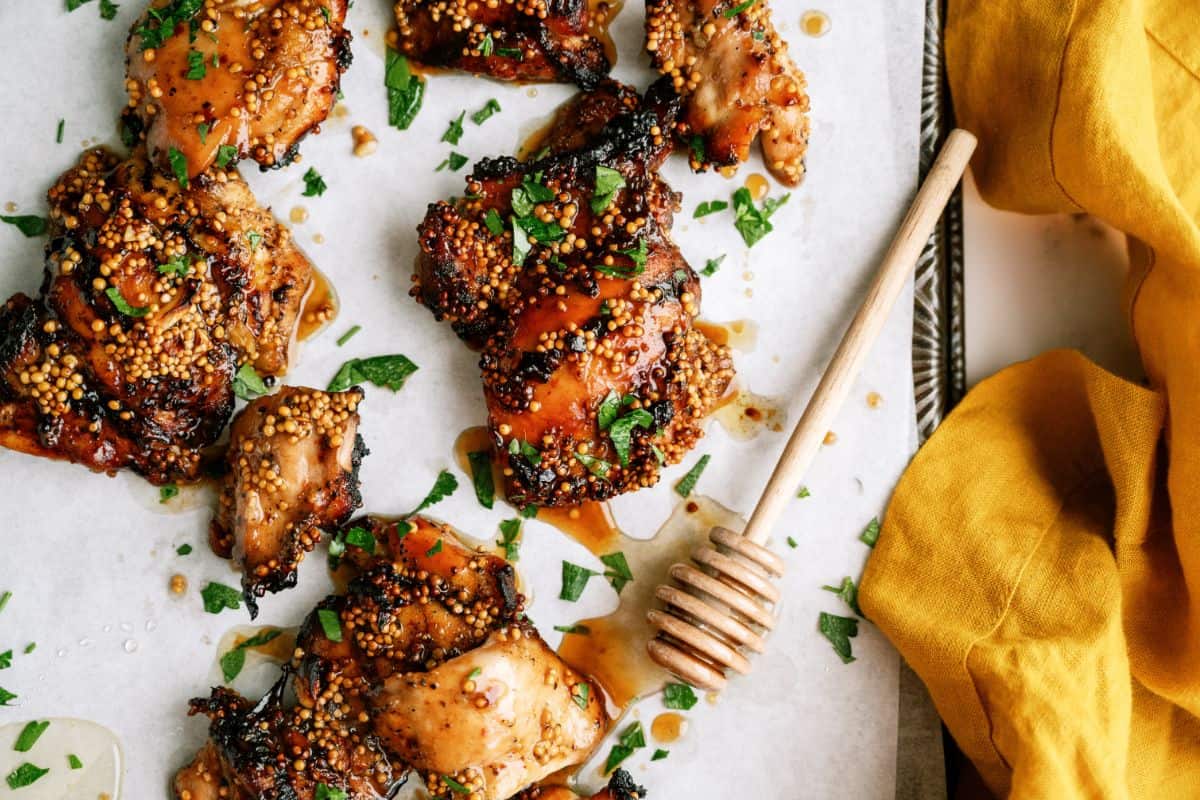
(319, 309)
(97, 749)
(815, 23)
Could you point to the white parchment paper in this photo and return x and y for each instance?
(88, 558)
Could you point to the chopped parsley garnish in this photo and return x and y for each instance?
(621, 431)
(177, 265)
(179, 165)
(580, 693)
(218, 597)
(6, 659)
(345, 337)
(386, 372)
(183, 549)
(443, 487)
(161, 22)
(803, 493)
(597, 466)
(361, 538)
(108, 9)
(712, 265)
(454, 785)
(659, 754)
(487, 46)
(520, 447)
(74, 762)
(510, 52)
(529, 512)
(494, 223)
(455, 161)
(255, 238)
(196, 66)
(482, 478)
(709, 207)
(202, 131)
(5, 696)
(28, 224)
(455, 131)
(688, 482)
(225, 154)
(696, 145)
(233, 661)
(167, 491)
(618, 572)
(870, 534)
(58, 134)
(631, 739)
(758, 35)
(29, 648)
(74, 4)
(24, 775)
(330, 624)
(326, 792)
(475, 673)
(582, 630)
(530, 193)
(405, 91)
(247, 383)
(510, 538)
(751, 221)
(434, 550)
(114, 294)
(484, 114)
(733, 12)
(848, 592)
(574, 580)
(636, 254)
(679, 696)
(314, 184)
(792, 543)
(4, 598)
(839, 631)
(610, 408)
(608, 181)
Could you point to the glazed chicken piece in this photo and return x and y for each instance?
(563, 273)
(268, 750)
(153, 295)
(292, 463)
(427, 661)
(735, 76)
(511, 40)
(213, 81)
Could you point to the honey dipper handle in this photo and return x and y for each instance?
(839, 377)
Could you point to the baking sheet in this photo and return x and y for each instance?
(88, 558)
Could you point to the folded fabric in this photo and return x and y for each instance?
(1039, 565)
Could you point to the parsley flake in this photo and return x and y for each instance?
(597, 466)
(327, 792)
(74, 762)
(233, 661)
(114, 294)
(6, 659)
(659, 754)
(247, 384)
(484, 114)
(632, 738)
(454, 785)
(314, 184)
(455, 161)
(405, 91)
(167, 491)
(58, 135)
(482, 479)
(608, 181)
(679, 696)
(225, 154)
(709, 207)
(688, 482)
(28, 224)
(348, 335)
(848, 593)
(386, 372)
(839, 631)
(751, 221)
(434, 550)
(196, 67)
(582, 630)
(443, 487)
(733, 12)
(183, 549)
(5, 696)
(218, 597)
(618, 572)
(455, 131)
(580, 693)
(870, 534)
(574, 580)
(179, 165)
(24, 775)
(330, 624)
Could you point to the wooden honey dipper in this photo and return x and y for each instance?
(724, 601)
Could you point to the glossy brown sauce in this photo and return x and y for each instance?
(602, 13)
(815, 23)
(604, 656)
(536, 139)
(740, 334)
(745, 415)
(757, 185)
(668, 727)
(319, 309)
(278, 649)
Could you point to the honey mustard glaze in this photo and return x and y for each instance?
(320, 307)
(613, 650)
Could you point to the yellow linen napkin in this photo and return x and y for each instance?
(1039, 565)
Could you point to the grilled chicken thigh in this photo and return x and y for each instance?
(153, 295)
(292, 464)
(212, 81)
(563, 273)
(514, 40)
(732, 69)
(426, 663)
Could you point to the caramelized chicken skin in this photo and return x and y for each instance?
(727, 61)
(515, 40)
(153, 295)
(292, 465)
(208, 75)
(426, 662)
(593, 372)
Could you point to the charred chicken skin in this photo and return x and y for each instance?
(512, 40)
(737, 81)
(212, 81)
(563, 273)
(153, 295)
(292, 464)
(426, 663)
